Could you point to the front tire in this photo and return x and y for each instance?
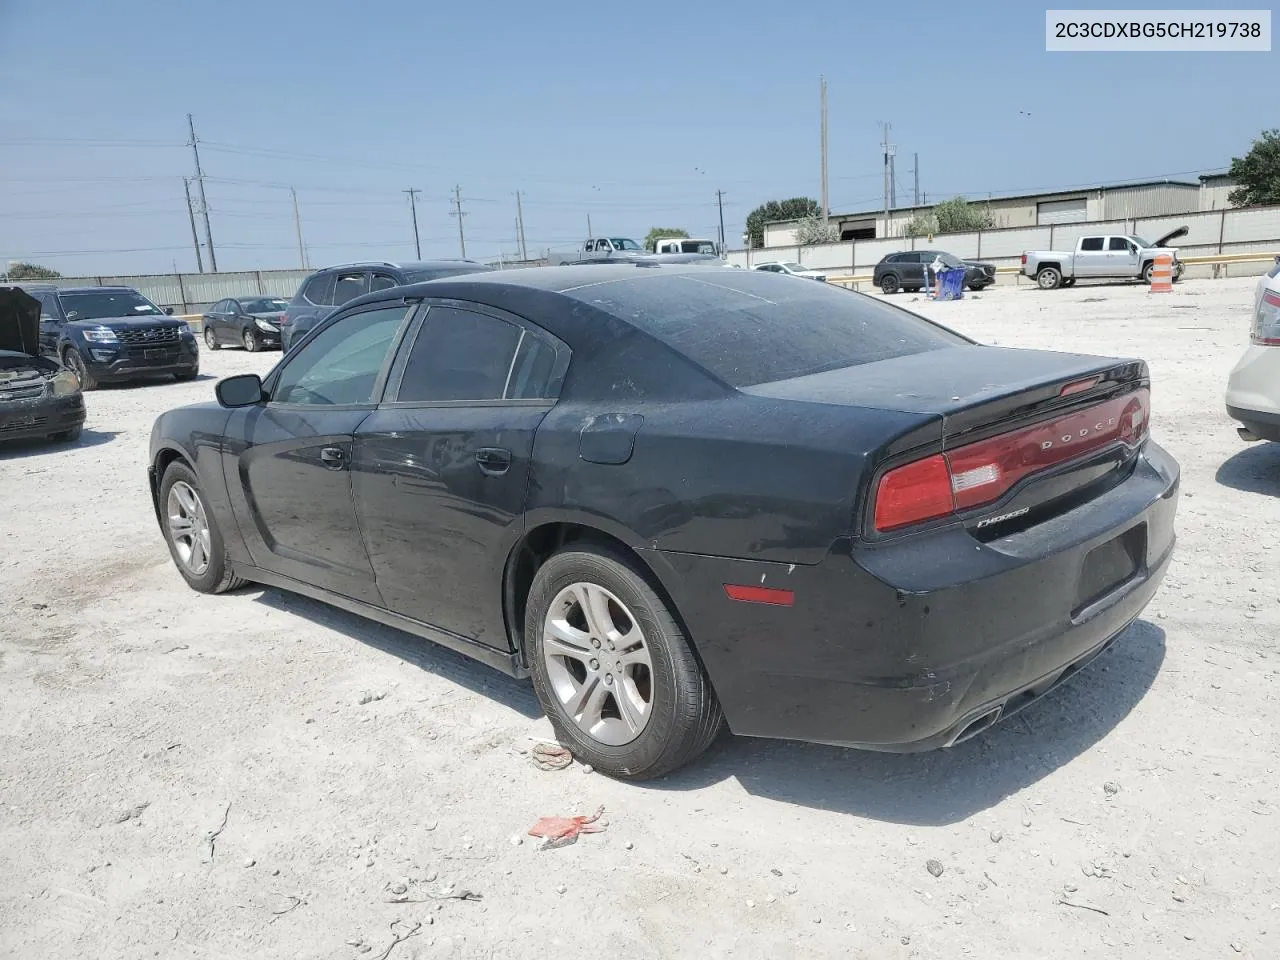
(1049, 278)
(890, 284)
(251, 341)
(75, 363)
(613, 669)
(195, 543)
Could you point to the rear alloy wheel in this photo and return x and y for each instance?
(1049, 278)
(195, 542)
(612, 668)
(211, 339)
(251, 341)
(890, 284)
(75, 363)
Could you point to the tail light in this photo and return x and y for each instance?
(980, 473)
(1266, 325)
(1024, 259)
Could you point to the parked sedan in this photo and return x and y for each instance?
(252, 323)
(905, 270)
(672, 502)
(1253, 390)
(790, 268)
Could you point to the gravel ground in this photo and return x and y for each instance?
(344, 766)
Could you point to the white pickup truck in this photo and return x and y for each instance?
(1107, 257)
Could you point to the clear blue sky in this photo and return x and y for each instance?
(631, 113)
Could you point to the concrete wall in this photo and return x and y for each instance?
(192, 292)
(1210, 233)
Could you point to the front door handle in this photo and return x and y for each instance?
(335, 458)
(493, 461)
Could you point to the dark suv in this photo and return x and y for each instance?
(331, 287)
(905, 270)
(109, 334)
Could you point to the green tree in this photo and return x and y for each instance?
(958, 215)
(661, 233)
(921, 225)
(1257, 172)
(813, 230)
(797, 208)
(31, 271)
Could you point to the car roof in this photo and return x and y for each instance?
(406, 265)
(51, 288)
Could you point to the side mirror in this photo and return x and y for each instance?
(244, 390)
(168, 311)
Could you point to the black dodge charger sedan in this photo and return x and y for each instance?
(677, 498)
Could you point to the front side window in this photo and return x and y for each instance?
(1118, 243)
(341, 363)
(459, 355)
(49, 308)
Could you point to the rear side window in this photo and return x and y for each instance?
(1090, 244)
(319, 290)
(459, 355)
(350, 286)
(749, 328)
(384, 281)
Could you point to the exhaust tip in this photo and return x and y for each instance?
(1247, 435)
(977, 725)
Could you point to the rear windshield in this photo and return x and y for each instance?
(749, 328)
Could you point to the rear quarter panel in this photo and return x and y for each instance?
(740, 477)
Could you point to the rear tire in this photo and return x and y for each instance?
(1048, 278)
(211, 339)
(192, 534)
(668, 715)
(75, 363)
(890, 284)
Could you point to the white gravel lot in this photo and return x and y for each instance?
(1132, 813)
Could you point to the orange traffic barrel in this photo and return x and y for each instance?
(1162, 274)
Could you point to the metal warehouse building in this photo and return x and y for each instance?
(1122, 201)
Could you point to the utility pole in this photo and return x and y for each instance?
(524, 252)
(826, 209)
(297, 225)
(915, 170)
(457, 206)
(893, 178)
(590, 232)
(204, 203)
(413, 211)
(191, 215)
(884, 128)
(720, 204)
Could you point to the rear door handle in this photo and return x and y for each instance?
(335, 458)
(493, 461)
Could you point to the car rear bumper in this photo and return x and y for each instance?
(24, 419)
(921, 642)
(1253, 391)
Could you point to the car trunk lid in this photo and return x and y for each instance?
(1015, 435)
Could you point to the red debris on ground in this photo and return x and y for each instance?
(562, 830)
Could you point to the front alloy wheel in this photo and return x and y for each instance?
(188, 528)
